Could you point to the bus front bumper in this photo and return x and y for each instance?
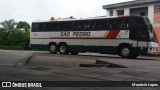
(153, 48)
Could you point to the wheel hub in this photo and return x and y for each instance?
(52, 48)
(63, 49)
(125, 51)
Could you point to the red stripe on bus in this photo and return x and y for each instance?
(113, 34)
(75, 37)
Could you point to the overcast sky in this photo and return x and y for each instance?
(30, 10)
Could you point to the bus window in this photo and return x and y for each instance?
(143, 33)
(93, 25)
(133, 35)
(120, 24)
(65, 25)
(35, 27)
(47, 26)
(136, 21)
(54, 26)
(100, 24)
(139, 32)
(41, 27)
(87, 25)
(105, 24)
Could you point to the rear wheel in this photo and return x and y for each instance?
(63, 48)
(53, 48)
(125, 52)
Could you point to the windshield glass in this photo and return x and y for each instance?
(147, 21)
(152, 34)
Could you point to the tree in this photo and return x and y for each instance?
(22, 25)
(2, 36)
(15, 34)
(8, 27)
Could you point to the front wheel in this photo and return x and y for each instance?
(63, 49)
(125, 52)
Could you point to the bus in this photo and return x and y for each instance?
(126, 36)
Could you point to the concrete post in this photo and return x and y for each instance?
(151, 13)
(126, 11)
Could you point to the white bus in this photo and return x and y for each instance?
(127, 36)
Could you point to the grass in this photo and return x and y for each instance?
(11, 47)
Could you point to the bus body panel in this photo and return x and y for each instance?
(98, 38)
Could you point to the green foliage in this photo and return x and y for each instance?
(15, 34)
(23, 25)
(11, 47)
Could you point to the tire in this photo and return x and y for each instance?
(53, 48)
(63, 49)
(125, 52)
(74, 53)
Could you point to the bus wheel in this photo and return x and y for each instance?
(74, 53)
(63, 49)
(53, 48)
(125, 52)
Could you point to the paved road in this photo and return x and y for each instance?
(60, 60)
(42, 67)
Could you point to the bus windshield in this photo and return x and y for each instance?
(151, 30)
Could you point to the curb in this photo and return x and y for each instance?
(24, 60)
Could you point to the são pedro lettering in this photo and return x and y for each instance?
(75, 33)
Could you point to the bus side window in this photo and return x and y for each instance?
(93, 25)
(48, 26)
(54, 26)
(125, 24)
(100, 25)
(119, 24)
(41, 27)
(87, 25)
(136, 21)
(77, 25)
(35, 27)
(64, 26)
(105, 24)
(115, 24)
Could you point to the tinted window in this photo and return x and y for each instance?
(137, 21)
(139, 32)
(119, 24)
(87, 25)
(55, 26)
(100, 24)
(47, 26)
(44, 27)
(65, 25)
(35, 27)
(143, 33)
(41, 27)
(78, 25)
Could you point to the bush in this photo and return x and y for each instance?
(11, 47)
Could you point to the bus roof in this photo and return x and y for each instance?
(90, 18)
